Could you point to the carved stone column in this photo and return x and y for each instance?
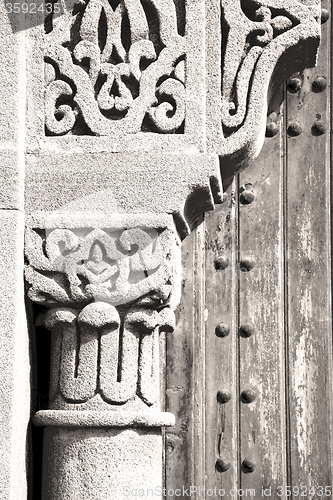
(110, 285)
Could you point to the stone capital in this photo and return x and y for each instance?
(110, 284)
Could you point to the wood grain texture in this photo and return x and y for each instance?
(286, 231)
(222, 351)
(184, 443)
(309, 280)
(261, 299)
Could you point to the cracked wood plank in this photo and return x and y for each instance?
(309, 281)
(261, 298)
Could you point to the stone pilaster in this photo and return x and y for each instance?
(14, 339)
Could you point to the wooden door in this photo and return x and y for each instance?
(249, 369)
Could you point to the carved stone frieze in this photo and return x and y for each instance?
(70, 263)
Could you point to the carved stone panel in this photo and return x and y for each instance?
(122, 69)
(118, 69)
(74, 263)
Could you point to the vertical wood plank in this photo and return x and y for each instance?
(222, 347)
(185, 376)
(309, 280)
(262, 422)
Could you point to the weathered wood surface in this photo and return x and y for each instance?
(261, 304)
(285, 232)
(221, 346)
(308, 235)
(184, 444)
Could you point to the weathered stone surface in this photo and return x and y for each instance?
(124, 183)
(12, 114)
(11, 180)
(101, 360)
(12, 82)
(79, 258)
(114, 418)
(14, 359)
(14, 343)
(91, 464)
(136, 87)
(261, 44)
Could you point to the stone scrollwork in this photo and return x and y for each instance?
(109, 291)
(255, 34)
(114, 68)
(70, 266)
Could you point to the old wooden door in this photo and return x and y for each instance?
(249, 369)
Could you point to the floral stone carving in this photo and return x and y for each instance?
(78, 265)
(122, 71)
(262, 43)
(110, 286)
(254, 27)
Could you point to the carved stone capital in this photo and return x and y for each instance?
(110, 284)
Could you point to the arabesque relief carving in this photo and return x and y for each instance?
(115, 67)
(252, 25)
(262, 43)
(69, 266)
(108, 290)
